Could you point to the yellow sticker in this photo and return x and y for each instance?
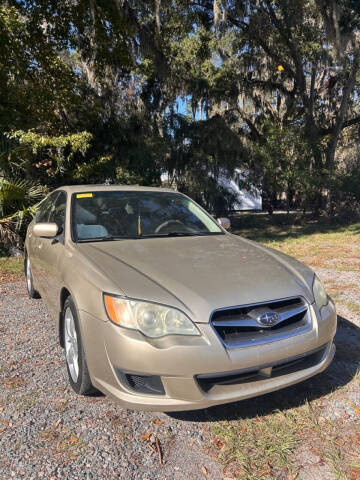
(84, 195)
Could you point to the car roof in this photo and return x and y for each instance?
(98, 188)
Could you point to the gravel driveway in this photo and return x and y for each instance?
(47, 431)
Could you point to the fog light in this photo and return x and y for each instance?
(150, 384)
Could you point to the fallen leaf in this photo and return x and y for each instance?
(218, 443)
(292, 476)
(2, 430)
(145, 437)
(73, 440)
(244, 429)
(341, 420)
(341, 443)
(158, 422)
(355, 474)
(357, 410)
(5, 422)
(264, 472)
(57, 423)
(204, 470)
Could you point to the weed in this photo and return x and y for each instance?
(260, 445)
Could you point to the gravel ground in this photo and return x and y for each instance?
(47, 431)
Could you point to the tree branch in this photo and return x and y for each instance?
(249, 123)
(286, 36)
(271, 85)
(348, 123)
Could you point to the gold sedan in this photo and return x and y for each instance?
(158, 306)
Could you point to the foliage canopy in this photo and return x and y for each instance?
(129, 90)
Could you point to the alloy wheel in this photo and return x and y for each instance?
(28, 275)
(71, 345)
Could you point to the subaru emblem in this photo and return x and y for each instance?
(268, 319)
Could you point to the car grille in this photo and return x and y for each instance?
(294, 364)
(239, 327)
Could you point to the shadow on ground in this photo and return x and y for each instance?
(345, 366)
(281, 227)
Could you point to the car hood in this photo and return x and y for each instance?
(199, 274)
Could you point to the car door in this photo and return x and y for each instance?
(42, 215)
(50, 253)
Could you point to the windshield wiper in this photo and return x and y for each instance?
(95, 239)
(177, 234)
(107, 238)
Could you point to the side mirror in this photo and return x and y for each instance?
(47, 230)
(224, 222)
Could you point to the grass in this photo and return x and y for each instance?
(265, 445)
(280, 227)
(11, 266)
(353, 307)
(259, 446)
(276, 444)
(319, 243)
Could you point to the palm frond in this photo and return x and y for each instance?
(19, 201)
(15, 194)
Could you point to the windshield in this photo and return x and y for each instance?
(112, 215)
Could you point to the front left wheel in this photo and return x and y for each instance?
(29, 280)
(78, 372)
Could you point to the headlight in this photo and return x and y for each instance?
(320, 294)
(151, 319)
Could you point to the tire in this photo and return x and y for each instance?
(29, 280)
(76, 365)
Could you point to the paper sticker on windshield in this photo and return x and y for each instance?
(84, 195)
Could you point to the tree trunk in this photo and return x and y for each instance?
(157, 15)
(335, 134)
(314, 140)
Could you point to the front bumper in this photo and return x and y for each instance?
(183, 363)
